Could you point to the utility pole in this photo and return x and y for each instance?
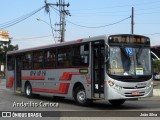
(63, 22)
(132, 21)
(61, 4)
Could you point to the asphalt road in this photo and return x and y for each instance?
(10, 101)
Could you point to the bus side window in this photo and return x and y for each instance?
(80, 56)
(38, 59)
(49, 58)
(64, 57)
(10, 62)
(27, 60)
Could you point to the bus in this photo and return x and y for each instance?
(114, 68)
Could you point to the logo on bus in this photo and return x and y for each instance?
(38, 73)
(129, 51)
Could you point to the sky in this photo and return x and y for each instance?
(86, 13)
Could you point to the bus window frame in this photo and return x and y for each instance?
(57, 51)
(23, 55)
(13, 60)
(30, 62)
(55, 62)
(80, 44)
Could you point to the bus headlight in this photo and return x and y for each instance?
(113, 85)
(118, 87)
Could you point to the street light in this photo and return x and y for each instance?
(38, 19)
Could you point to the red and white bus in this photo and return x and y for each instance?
(114, 68)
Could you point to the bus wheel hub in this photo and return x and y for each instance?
(81, 96)
(28, 90)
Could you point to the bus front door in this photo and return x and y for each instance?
(18, 68)
(97, 53)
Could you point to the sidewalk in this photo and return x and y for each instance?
(156, 87)
(156, 92)
(154, 98)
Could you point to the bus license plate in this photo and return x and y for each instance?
(135, 93)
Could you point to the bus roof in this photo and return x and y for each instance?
(60, 44)
(101, 37)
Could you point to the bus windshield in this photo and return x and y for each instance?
(129, 61)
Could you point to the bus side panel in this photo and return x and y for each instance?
(72, 76)
(10, 79)
(58, 82)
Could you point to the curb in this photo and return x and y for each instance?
(156, 92)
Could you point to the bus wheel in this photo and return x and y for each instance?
(28, 91)
(117, 102)
(80, 97)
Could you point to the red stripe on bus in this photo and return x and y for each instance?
(63, 89)
(68, 76)
(10, 82)
(33, 77)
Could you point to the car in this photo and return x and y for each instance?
(156, 77)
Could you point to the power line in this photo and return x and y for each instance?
(18, 20)
(149, 23)
(110, 13)
(115, 13)
(45, 36)
(92, 26)
(106, 12)
(152, 34)
(56, 10)
(99, 26)
(38, 37)
(147, 13)
(110, 7)
(51, 26)
(50, 20)
(30, 38)
(61, 4)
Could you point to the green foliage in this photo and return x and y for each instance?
(4, 48)
(156, 65)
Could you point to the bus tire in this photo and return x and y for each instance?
(80, 97)
(117, 102)
(28, 90)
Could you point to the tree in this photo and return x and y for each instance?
(4, 48)
(156, 66)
